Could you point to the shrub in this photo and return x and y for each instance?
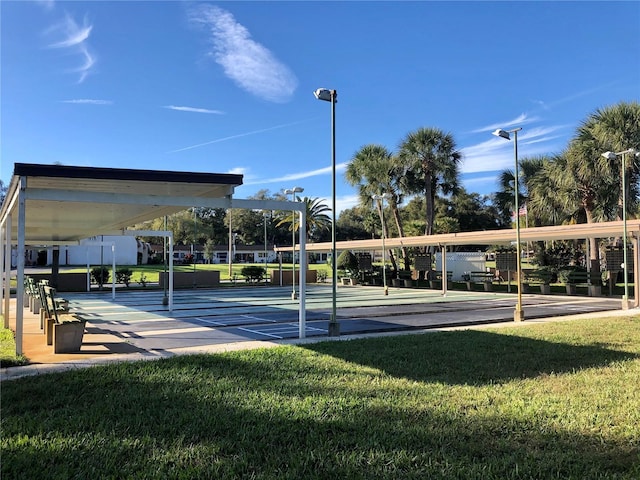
(348, 262)
(100, 275)
(123, 275)
(253, 273)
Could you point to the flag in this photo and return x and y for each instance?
(522, 211)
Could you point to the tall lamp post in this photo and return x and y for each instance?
(327, 95)
(292, 192)
(518, 314)
(380, 199)
(265, 215)
(613, 156)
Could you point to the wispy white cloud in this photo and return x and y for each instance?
(71, 36)
(46, 4)
(248, 63)
(223, 139)
(497, 154)
(88, 101)
(522, 119)
(238, 171)
(193, 109)
(300, 175)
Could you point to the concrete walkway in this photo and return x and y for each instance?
(136, 326)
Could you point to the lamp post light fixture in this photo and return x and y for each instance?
(623, 164)
(518, 314)
(292, 192)
(380, 198)
(328, 95)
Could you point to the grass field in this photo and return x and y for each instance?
(557, 400)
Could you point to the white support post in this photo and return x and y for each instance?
(7, 270)
(88, 271)
(302, 327)
(113, 271)
(170, 273)
(20, 266)
(3, 298)
(444, 271)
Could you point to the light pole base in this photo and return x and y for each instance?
(293, 295)
(518, 315)
(625, 303)
(386, 290)
(334, 329)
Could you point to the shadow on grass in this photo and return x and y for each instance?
(272, 414)
(470, 357)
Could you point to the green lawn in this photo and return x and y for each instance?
(8, 356)
(556, 400)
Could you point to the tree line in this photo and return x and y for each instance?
(424, 194)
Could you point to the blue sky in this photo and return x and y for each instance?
(228, 86)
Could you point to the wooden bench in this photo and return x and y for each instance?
(484, 278)
(64, 331)
(537, 277)
(436, 276)
(592, 281)
(32, 295)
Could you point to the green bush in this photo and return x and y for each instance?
(348, 262)
(253, 273)
(123, 275)
(100, 275)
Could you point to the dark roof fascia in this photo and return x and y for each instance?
(66, 171)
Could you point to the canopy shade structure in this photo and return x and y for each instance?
(488, 237)
(65, 203)
(58, 205)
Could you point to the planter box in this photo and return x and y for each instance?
(349, 281)
(571, 288)
(545, 289)
(311, 277)
(408, 283)
(396, 282)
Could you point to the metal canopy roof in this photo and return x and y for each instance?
(488, 237)
(64, 204)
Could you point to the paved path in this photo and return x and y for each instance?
(137, 326)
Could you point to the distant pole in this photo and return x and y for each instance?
(230, 251)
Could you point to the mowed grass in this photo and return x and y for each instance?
(8, 357)
(556, 400)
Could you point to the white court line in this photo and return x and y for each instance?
(150, 333)
(213, 322)
(258, 318)
(260, 333)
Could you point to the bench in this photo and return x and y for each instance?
(592, 281)
(32, 295)
(537, 277)
(64, 331)
(435, 276)
(484, 278)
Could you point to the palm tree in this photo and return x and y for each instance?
(374, 170)
(616, 128)
(430, 164)
(316, 215)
